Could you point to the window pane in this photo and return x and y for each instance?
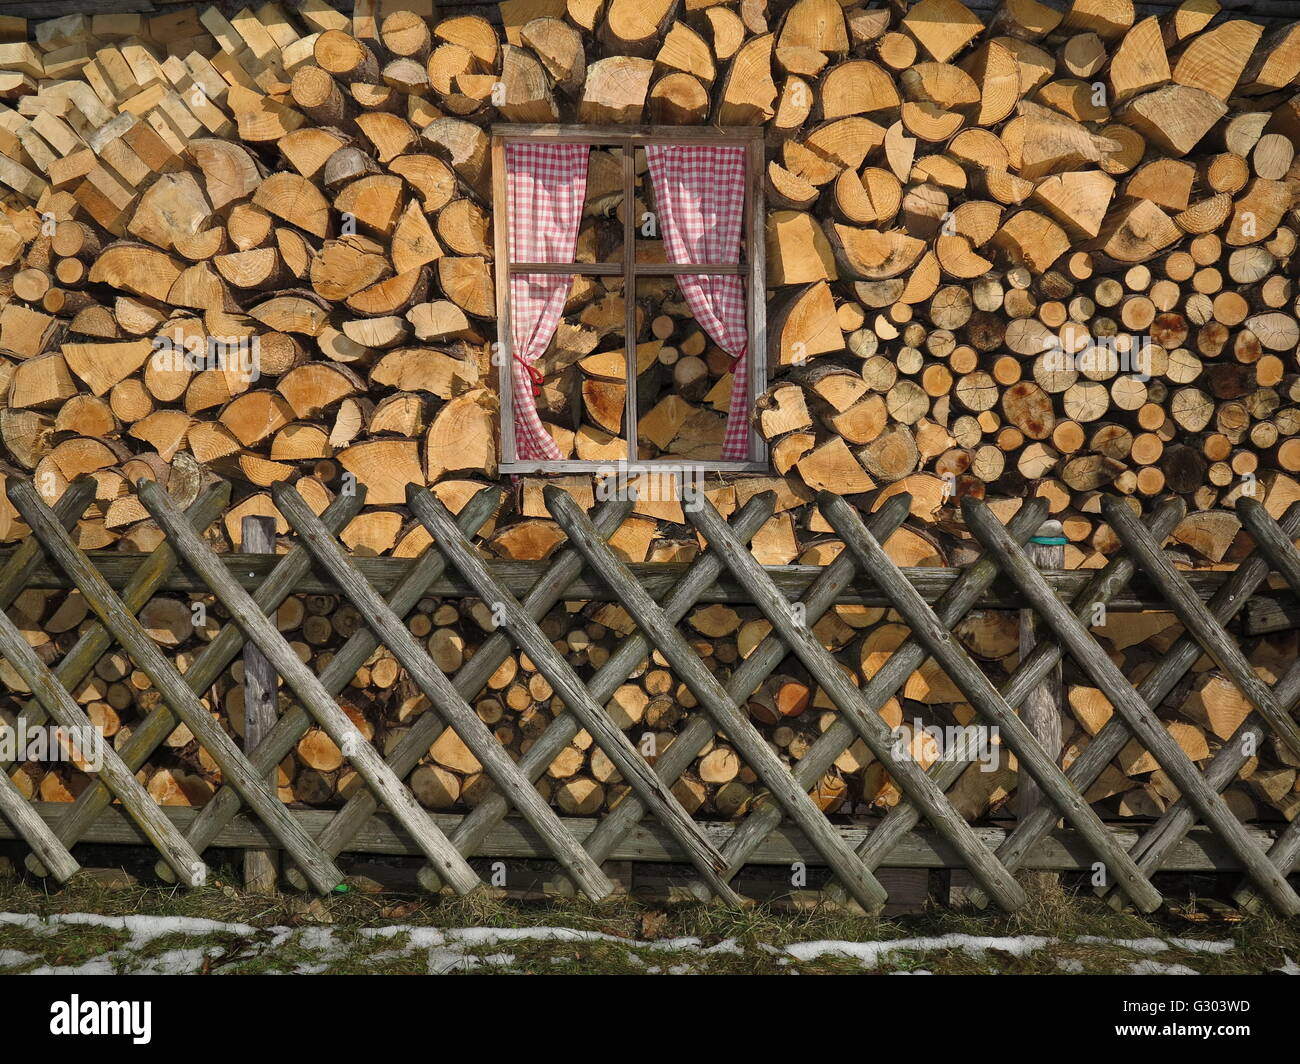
(648, 223)
(683, 378)
(600, 236)
(584, 374)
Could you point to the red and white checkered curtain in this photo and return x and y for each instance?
(546, 185)
(700, 192)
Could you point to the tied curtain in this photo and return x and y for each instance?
(546, 186)
(700, 192)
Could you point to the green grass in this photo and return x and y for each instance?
(1260, 942)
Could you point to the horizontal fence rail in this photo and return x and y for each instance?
(1268, 610)
(785, 825)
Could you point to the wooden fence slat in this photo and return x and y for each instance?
(658, 578)
(1041, 707)
(1277, 545)
(1143, 723)
(183, 701)
(318, 702)
(446, 700)
(1200, 851)
(728, 718)
(954, 661)
(14, 808)
(636, 773)
(261, 696)
(34, 831)
(19, 568)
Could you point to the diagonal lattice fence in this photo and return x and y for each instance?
(650, 822)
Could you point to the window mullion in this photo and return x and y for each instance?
(629, 296)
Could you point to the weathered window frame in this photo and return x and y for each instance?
(752, 268)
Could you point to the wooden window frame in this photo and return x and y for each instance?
(752, 268)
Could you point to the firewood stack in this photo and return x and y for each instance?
(1047, 253)
(1052, 255)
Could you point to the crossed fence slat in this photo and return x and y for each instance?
(786, 789)
(1105, 673)
(294, 723)
(956, 663)
(446, 700)
(620, 665)
(60, 706)
(333, 721)
(150, 733)
(760, 664)
(1110, 740)
(95, 640)
(1040, 661)
(1165, 833)
(616, 745)
(1225, 652)
(469, 679)
(119, 621)
(865, 720)
(728, 718)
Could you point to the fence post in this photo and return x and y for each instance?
(260, 697)
(1041, 710)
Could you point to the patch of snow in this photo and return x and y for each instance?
(870, 953)
(675, 944)
(105, 964)
(1137, 945)
(1201, 945)
(175, 962)
(498, 960)
(416, 937)
(1150, 967)
(13, 958)
(491, 936)
(1160, 945)
(1069, 965)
